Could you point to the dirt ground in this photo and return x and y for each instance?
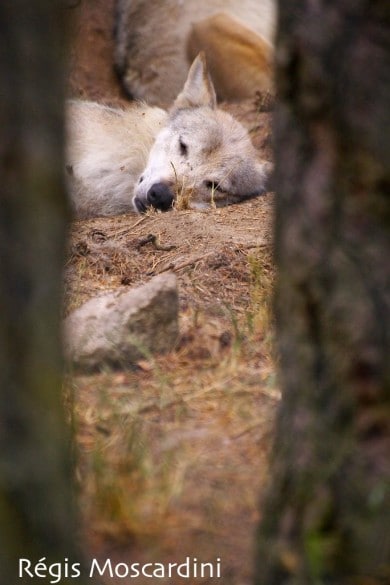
(173, 453)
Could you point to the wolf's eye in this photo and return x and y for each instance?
(214, 186)
(183, 147)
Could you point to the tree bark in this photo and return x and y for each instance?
(326, 515)
(37, 513)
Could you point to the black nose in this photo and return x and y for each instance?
(160, 196)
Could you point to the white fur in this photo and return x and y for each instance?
(107, 151)
(119, 156)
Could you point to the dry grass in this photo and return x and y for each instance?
(172, 454)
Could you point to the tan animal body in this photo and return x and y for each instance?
(239, 60)
(154, 41)
(140, 157)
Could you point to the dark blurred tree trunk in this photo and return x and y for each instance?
(326, 516)
(37, 516)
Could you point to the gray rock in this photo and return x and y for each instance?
(117, 329)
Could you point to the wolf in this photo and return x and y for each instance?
(139, 157)
(240, 61)
(156, 41)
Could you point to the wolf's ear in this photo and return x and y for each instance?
(198, 90)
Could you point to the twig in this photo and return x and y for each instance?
(247, 430)
(250, 246)
(155, 240)
(176, 267)
(128, 229)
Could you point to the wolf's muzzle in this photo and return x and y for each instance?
(160, 196)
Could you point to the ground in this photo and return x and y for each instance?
(173, 453)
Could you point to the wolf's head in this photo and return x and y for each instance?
(202, 153)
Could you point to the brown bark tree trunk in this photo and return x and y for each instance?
(37, 515)
(326, 516)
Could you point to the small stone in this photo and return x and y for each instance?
(118, 329)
